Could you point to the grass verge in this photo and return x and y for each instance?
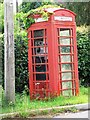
(46, 112)
(24, 104)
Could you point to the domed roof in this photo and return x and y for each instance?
(52, 10)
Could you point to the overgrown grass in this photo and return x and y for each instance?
(45, 113)
(23, 102)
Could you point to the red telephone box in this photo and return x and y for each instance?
(52, 55)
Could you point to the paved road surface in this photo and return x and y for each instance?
(83, 114)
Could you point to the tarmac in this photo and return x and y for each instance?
(80, 114)
(80, 107)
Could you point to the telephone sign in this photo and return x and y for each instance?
(63, 18)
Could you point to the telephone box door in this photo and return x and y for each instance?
(39, 80)
(67, 60)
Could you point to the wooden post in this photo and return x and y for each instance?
(9, 62)
(16, 5)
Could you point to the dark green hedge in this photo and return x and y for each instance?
(83, 40)
(21, 61)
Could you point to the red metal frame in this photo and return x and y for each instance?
(54, 82)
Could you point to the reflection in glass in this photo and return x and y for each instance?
(66, 58)
(38, 33)
(64, 32)
(64, 41)
(66, 85)
(65, 49)
(66, 67)
(67, 76)
(40, 76)
(39, 50)
(38, 42)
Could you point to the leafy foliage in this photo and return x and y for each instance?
(84, 56)
(80, 8)
(26, 19)
(82, 11)
(1, 18)
(41, 9)
(26, 7)
(21, 54)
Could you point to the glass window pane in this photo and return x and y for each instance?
(65, 49)
(39, 50)
(38, 42)
(39, 59)
(67, 76)
(64, 32)
(66, 85)
(66, 67)
(65, 41)
(66, 58)
(40, 68)
(40, 76)
(38, 33)
(67, 93)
